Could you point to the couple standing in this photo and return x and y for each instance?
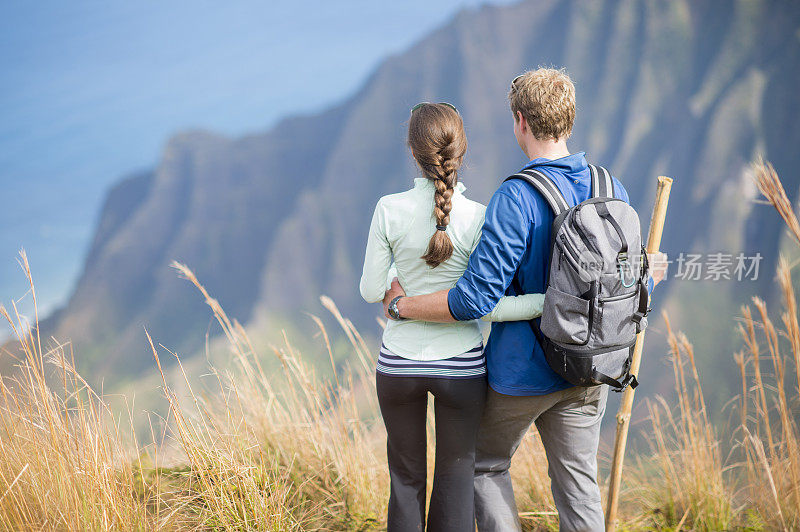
(490, 263)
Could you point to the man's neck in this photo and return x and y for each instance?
(548, 149)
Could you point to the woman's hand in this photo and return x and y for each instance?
(393, 292)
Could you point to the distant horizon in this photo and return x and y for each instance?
(89, 80)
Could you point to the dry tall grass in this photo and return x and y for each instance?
(64, 461)
(740, 477)
(290, 450)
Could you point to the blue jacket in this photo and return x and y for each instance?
(516, 242)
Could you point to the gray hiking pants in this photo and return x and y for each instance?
(568, 422)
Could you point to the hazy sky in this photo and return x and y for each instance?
(92, 90)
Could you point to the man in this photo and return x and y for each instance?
(512, 255)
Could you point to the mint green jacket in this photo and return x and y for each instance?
(401, 228)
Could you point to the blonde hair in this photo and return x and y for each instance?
(438, 142)
(546, 99)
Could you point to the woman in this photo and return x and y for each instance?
(430, 232)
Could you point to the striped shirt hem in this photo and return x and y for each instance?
(467, 365)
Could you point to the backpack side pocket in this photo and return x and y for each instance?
(565, 317)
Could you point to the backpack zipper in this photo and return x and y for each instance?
(571, 253)
(618, 297)
(579, 229)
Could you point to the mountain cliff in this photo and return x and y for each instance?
(691, 89)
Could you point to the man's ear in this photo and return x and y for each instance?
(523, 124)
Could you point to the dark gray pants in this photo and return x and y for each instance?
(458, 404)
(568, 422)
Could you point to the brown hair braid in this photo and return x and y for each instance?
(438, 142)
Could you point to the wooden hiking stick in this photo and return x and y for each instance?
(624, 414)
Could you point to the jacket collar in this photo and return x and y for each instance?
(424, 183)
(571, 164)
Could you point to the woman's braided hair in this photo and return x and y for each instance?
(438, 142)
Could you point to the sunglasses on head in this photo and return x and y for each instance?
(450, 105)
(514, 81)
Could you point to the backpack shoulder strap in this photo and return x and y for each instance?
(546, 188)
(602, 184)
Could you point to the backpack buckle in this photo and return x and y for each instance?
(630, 380)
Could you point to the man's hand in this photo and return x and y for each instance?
(393, 292)
(658, 266)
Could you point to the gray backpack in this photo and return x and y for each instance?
(596, 298)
